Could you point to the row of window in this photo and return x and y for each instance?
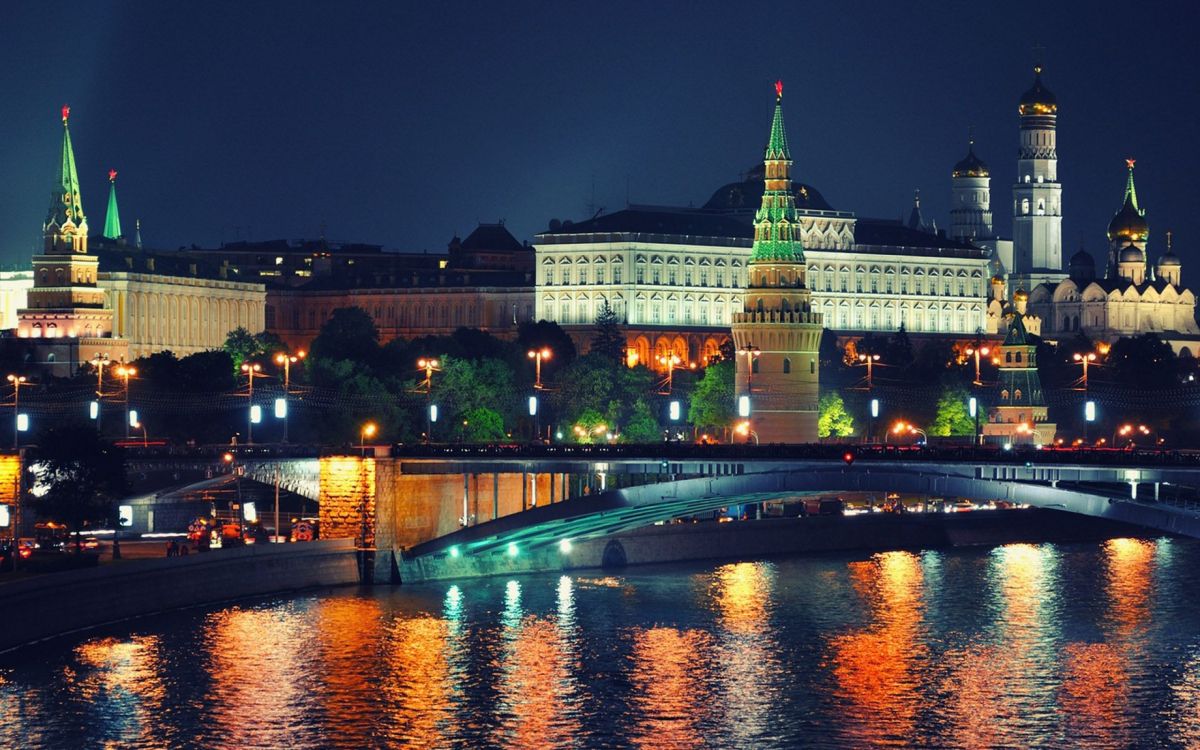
(860, 282)
(585, 276)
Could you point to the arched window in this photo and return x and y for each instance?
(1025, 205)
(812, 366)
(1008, 356)
(1017, 395)
(754, 365)
(1018, 356)
(1004, 394)
(787, 365)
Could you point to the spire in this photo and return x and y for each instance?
(915, 219)
(137, 233)
(1130, 190)
(776, 232)
(112, 219)
(777, 147)
(65, 204)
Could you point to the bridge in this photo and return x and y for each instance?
(436, 511)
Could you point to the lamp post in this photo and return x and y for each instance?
(430, 366)
(125, 372)
(18, 382)
(977, 352)
(252, 369)
(368, 430)
(751, 351)
(538, 355)
(869, 360)
(670, 361)
(287, 360)
(743, 428)
(142, 426)
(99, 362)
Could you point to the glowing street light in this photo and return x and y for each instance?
(869, 360)
(977, 352)
(252, 370)
(743, 429)
(430, 365)
(18, 382)
(286, 361)
(538, 356)
(125, 372)
(671, 362)
(368, 430)
(99, 361)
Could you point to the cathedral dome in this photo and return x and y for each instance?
(746, 195)
(1038, 100)
(1128, 224)
(971, 165)
(1082, 259)
(1169, 259)
(1132, 254)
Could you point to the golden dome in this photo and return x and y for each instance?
(1038, 100)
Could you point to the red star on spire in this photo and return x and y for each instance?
(66, 112)
(112, 175)
(1130, 162)
(778, 89)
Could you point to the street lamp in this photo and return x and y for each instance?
(869, 360)
(900, 428)
(743, 428)
(670, 361)
(368, 430)
(125, 372)
(287, 360)
(1085, 360)
(752, 352)
(142, 426)
(18, 382)
(977, 352)
(538, 355)
(430, 366)
(99, 362)
(251, 369)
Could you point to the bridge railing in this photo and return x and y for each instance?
(1018, 455)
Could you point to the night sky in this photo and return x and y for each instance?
(404, 123)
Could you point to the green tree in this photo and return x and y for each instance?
(641, 427)
(589, 426)
(608, 341)
(83, 476)
(713, 399)
(241, 345)
(832, 418)
(953, 416)
(350, 333)
(464, 385)
(484, 425)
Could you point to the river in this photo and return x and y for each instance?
(1075, 645)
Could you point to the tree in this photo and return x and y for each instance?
(484, 425)
(350, 333)
(953, 416)
(83, 475)
(608, 341)
(641, 427)
(589, 426)
(241, 345)
(712, 400)
(832, 418)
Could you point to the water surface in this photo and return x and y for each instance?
(1093, 645)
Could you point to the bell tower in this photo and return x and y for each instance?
(1037, 196)
(778, 335)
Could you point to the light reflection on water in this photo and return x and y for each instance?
(1017, 646)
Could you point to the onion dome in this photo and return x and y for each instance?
(1021, 295)
(971, 165)
(1082, 259)
(1169, 259)
(1038, 100)
(1129, 223)
(1132, 254)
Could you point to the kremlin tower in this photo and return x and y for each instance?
(1037, 196)
(66, 309)
(778, 335)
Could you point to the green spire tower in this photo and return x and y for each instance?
(112, 219)
(776, 233)
(777, 335)
(65, 229)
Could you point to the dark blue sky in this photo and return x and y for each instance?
(403, 123)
